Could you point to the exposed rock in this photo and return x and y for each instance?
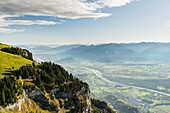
(88, 100)
(25, 54)
(38, 96)
(16, 105)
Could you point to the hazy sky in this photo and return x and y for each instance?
(84, 21)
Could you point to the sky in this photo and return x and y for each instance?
(84, 21)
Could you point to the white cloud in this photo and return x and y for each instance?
(6, 30)
(115, 3)
(72, 9)
(5, 23)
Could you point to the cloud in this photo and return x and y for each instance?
(6, 30)
(115, 3)
(5, 23)
(71, 9)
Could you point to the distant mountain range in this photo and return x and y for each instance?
(112, 52)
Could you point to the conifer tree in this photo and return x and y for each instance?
(33, 64)
(3, 97)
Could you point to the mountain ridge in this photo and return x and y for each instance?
(47, 86)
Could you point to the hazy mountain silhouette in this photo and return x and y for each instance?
(144, 51)
(104, 53)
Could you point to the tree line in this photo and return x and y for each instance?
(18, 51)
(10, 88)
(48, 76)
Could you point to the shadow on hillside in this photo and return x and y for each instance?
(7, 73)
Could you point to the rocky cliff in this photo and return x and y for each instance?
(40, 87)
(56, 100)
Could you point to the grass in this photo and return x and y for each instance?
(7, 61)
(4, 45)
(138, 70)
(166, 108)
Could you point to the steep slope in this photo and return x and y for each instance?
(27, 86)
(8, 62)
(4, 45)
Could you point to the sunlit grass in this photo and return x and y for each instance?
(4, 45)
(9, 61)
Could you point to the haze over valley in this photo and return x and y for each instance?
(137, 74)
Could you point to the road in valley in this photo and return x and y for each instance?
(141, 88)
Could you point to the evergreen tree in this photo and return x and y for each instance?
(33, 64)
(3, 97)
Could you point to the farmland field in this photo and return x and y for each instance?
(124, 85)
(146, 75)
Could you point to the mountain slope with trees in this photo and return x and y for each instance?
(48, 87)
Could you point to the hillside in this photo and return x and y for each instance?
(27, 86)
(8, 61)
(4, 45)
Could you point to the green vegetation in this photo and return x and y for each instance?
(16, 70)
(156, 79)
(137, 64)
(18, 73)
(10, 86)
(18, 51)
(100, 107)
(62, 91)
(4, 45)
(120, 105)
(48, 76)
(10, 62)
(10, 89)
(79, 107)
(52, 75)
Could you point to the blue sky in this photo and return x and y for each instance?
(87, 22)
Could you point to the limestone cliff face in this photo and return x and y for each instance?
(88, 100)
(38, 96)
(16, 105)
(55, 100)
(23, 104)
(47, 101)
(85, 92)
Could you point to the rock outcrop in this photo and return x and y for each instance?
(44, 99)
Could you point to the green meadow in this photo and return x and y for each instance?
(4, 45)
(10, 62)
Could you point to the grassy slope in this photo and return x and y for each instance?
(4, 45)
(7, 61)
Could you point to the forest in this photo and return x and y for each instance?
(48, 76)
(10, 88)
